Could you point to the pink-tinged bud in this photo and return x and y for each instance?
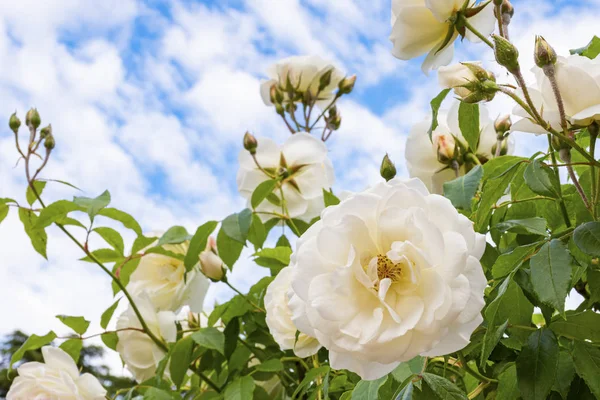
(347, 84)
(444, 145)
(211, 264)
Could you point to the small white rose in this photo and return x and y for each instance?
(164, 280)
(56, 378)
(210, 262)
(304, 74)
(421, 26)
(386, 275)
(139, 353)
(279, 317)
(307, 171)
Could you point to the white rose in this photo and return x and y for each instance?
(422, 155)
(421, 26)
(304, 73)
(164, 280)
(578, 80)
(279, 317)
(210, 262)
(56, 378)
(386, 275)
(139, 353)
(309, 171)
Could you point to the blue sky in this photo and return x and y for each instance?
(150, 100)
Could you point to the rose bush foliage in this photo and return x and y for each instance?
(449, 285)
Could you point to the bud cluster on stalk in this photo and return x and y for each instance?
(483, 87)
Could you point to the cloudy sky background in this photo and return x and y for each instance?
(150, 100)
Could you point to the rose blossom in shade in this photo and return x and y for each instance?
(422, 158)
(307, 172)
(304, 74)
(139, 353)
(578, 79)
(421, 27)
(56, 378)
(163, 279)
(388, 274)
(279, 318)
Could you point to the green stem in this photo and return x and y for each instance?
(499, 18)
(243, 295)
(561, 200)
(470, 27)
(472, 372)
(593, 137)
(206, 379)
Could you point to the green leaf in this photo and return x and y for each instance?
(587, 238)
(587, 364)
(141, 242)
(262, 191)
(257, 233)
(104, 256)
(368, 390)
(283, 242)
(124, 272)
(231, 332)
(498, 166)
(3, 211)
(542, 180)
(491, 339)
(174, 235)
(39, 188)
(329, 198)
(211, 338)
(590, 51)
(406, 393)
(54, 212)
(73, 348)
(229, 249)
(236, 226)
(493, 189)
(578, 325)
(510, 303)
(468, 122)
(508, 388)
(127, 220)
(64, 183)
(461, 190)
(181, 357)
(112, 237)
(534, 226)
(95, 205)
(110, 339)
(273, 365)
(38, 237)
(508, 262)
(310, 376)
(157, 394)
(198, 244)
(536, 365)
(442, 387)
(435, 109)
(551, 274)
(33, 342)
(593, 279)
(281, 254)
(240, 389)
(107, 314)
(79, 324)
(565, 372)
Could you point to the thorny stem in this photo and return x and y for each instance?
(498, 9)
(565, 154)
(243, 295)
(549, 71)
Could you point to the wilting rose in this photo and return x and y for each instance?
(386, 275)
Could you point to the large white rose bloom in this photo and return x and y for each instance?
(386, 275)
(422, 154)
(56, 378)
(279, 317)
(139, 353)
(164, 280)
(304, 73)
(308, 171)
(578, 79)
(422, 26)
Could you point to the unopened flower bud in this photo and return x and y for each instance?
(33, 118)
(46, 131)
(325, 79)
(193, 320)
(503, 124)
(250, 143)
(279, 109)
(544, 54)
(498, 2)
(506, 53)
(210, 263)
(388, 169)
(507, 9)
(347, 84)
(445, 146)
(14, 122)
(49, 143)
